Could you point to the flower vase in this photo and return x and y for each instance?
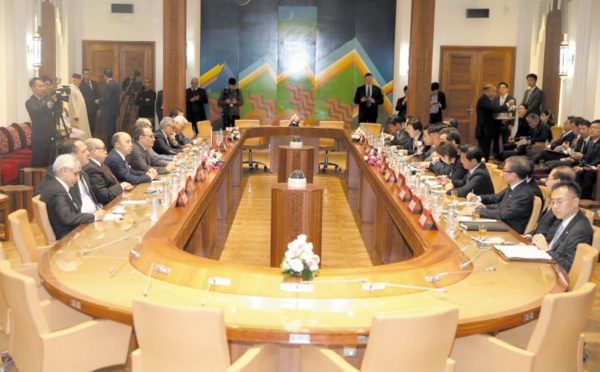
(307, 275)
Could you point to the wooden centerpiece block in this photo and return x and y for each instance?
(296, 159)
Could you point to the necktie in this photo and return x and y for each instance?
(557, 235)
(368, 95)
(107, 169)
(527, 94)
(502, 98)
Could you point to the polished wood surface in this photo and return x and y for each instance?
(296, 159)
(336, 312)
(295, 212)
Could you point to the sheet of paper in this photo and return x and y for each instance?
(529, 252)
(133, 202)
(112, 217)
(470, 219)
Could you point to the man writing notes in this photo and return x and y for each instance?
(514, 204)
(368, 97)
(571, 228)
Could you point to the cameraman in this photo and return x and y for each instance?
(43, 133)
(230, 100)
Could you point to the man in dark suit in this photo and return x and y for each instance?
(145, 101)
(485, 120)
(575, 150)
(556, 148)
(164, 139)
(414, 128)
(586, 169)
(105, 185)
(139, 159)
(368, 97)
(90, 92)
(534, 96)
(570, 229)
(195, 99)
(538, 133)
(43, 131)
(159, 105)
(477, 180)
(437, 104)
(397, 136)
(514, 204)
(119, 166)
(63, 212)
(401, 105)
(503, 104)
(109, 104)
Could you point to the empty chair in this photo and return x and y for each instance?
(556, 343)
(596, 238)
(329, 144)
(497, 180)
(556, 132)
(41, 216)
(546, 199)
(535, 214)
(178, 338)
(50, 336)
(204, 129)
(374, 128)
(583, 266)
(588, 213)
(252, 143)
(23, 237)
(418, 340)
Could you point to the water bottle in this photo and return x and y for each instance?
(175, 189)
(436, 205)
(166, 197)
(427, 195)
(417, 183)
(195, 161)
(154, 208)
(182, 175)
(450, 220)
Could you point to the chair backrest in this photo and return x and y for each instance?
(497, 180)
(329, 142)
(491, 166)
(204, 129)
(535, 214)
(416, 340)
(556, 132)
(251, 142)
(546, 199)
(177, 338)
(28, 322)
(372, 127)
(555, 339)
(22, 235)
(188, 131)
(41, 216)
(588, 213)
(596, 238)
(583, 266)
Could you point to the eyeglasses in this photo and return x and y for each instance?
(76, 173)
(507, 171)
(100, 148)
(148, 135)
(554, 202)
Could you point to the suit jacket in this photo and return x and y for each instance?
(401, 108)
(592, 154)
(90, 95)
(480, 182)
(140, 160)
(545, 222)
(104, 186)
(411, 149)
(74, 191)
(485, 117)
(182, 140)
(368, 114)
(42, 123)
(164, 146)
(534, 99)
(513, 207)
(401, 139)
(145, 102)
(63, 213)
(577, 231)
(535, 189)
(123, 171)
(541, 133)
(109, 103)
(159, 105)
(195, 110)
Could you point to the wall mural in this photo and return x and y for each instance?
(306, 57)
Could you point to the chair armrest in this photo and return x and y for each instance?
(321, 359)
(257, 358)
(60, 316)
(136, 360)
(484, 352)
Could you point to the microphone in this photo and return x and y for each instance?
(137, 223)
(378, 286)
(216, 281)
(467, 246)
(437, 277)
(86, 251)
(161, 269)
(133, 252)
(467, 263)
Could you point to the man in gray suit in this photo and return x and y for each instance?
(109, 105)
(533, 97)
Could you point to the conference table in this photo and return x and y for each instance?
(100, 268)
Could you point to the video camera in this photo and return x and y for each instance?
(131, 86)
(62, 93)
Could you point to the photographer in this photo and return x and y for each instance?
(230, 100)
(43, 132)
(145, 101)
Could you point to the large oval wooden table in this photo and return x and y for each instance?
(338, 312)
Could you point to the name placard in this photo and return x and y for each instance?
(426, 221)
(415, 206)
(200, 175)
(390, 176)
(400, 180)
(189, 185)
(182, 199)
(223, 146)
(405, 193)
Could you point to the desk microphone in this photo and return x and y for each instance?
(378, 286)
(467, 246)
(216, 281)
(436, 277)
(133, 252)
(137, 223)
(463, 265)
(86, 251)
(161, 269)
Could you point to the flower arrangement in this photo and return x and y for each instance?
(213, 160)
(295, 121)
(357, 134)
(234, 134)
(374, 157)
(300, 260)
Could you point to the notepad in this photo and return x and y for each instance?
(491, 226)
(523, 252)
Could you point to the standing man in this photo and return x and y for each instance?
(503, 104)
(195, 99)
(43, 132)
(145, 101)
(401, 105)
(231, 100)
(438, 103)
(159, 105)
(77, 108)
(368, 97)
(534, 96)
(485, 120)
(109, 104)
(89, 89)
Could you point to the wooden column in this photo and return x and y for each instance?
(551, 80)
(174, 25)
(421, 53)
(47, 32)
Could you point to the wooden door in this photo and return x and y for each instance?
(463, 73)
